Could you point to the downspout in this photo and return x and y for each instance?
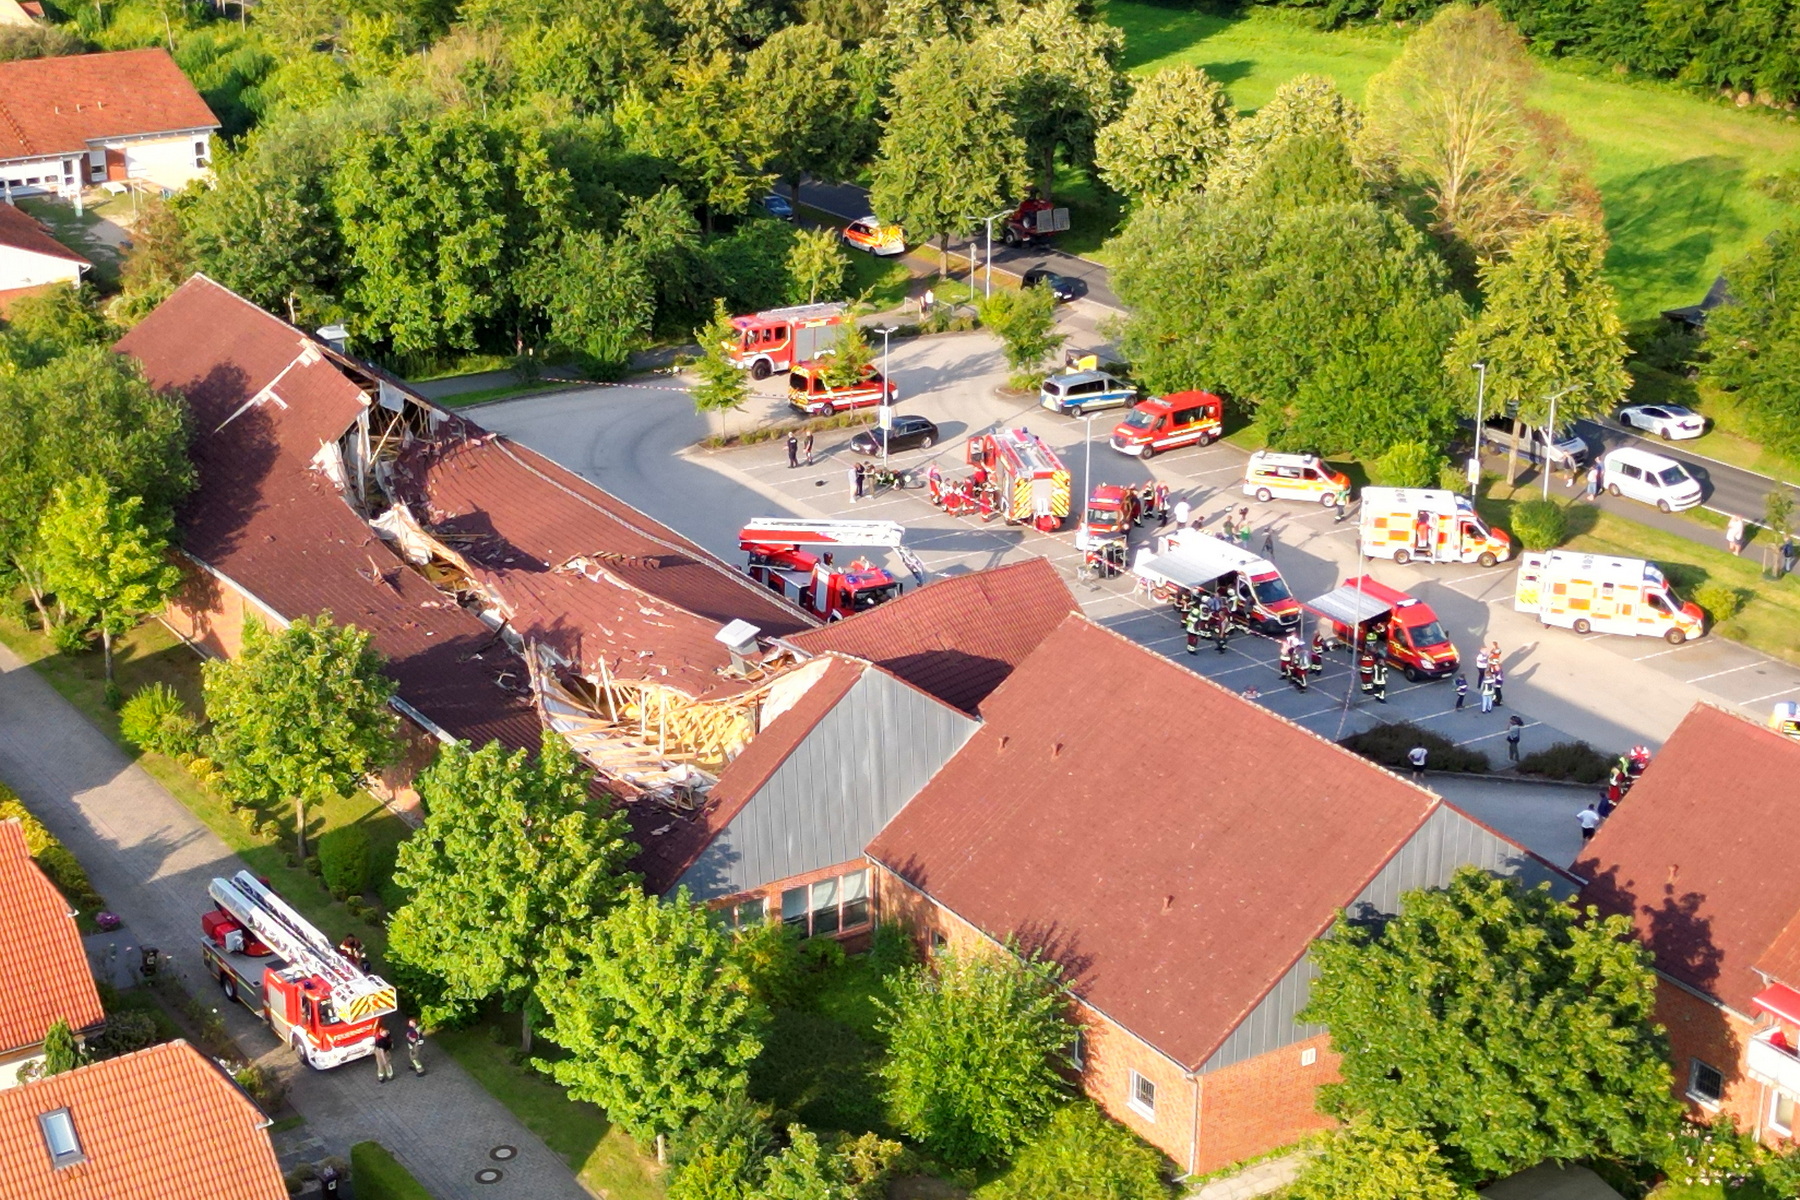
(1194, 1145)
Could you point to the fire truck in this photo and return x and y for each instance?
(1034, 221)
(1030, 482)
(1112, 510)
(775, 340)
(782, 558)
(1408, 630)
(811, 393)
(272, 960)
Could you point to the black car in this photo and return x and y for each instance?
(909, 433)
(1061, 286)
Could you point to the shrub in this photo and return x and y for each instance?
(345, 859)
(1575, 761)
(769, 953)
(1389, 744)
(1452, 477)
(822, 954)
(70, 638)
(1721, 601)
(1407, 465)
(266, 1087)
(156, 719)
(125, 1032)
(1703, 1154)
(1366, 1161)
(1540, 524)
(707, 1144)
(891, 948)
(51, 856)
(1081, 1155)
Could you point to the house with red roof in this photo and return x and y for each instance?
(42, 951)
(70, 122)
(1176, 848)
(32, 259)
(162, 1122)
(1701, 856)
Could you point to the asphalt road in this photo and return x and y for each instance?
(1727, 489)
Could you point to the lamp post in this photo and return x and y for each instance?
(988, 289)
(1087, 476)
(887, 384)
(1550, 431)
(1480, 369)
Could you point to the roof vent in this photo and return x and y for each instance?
(1055, 749)
(739, 638)
(58, 1126)
(335, 336)
(1168, 903)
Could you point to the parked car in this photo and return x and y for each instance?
(908, 433)
(777, 207)
(1650, 478)
(1666, 421)
(1567, 451)
(1077, 393)
(1061, 286)
(867, 233)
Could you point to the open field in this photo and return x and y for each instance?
(1677, 171)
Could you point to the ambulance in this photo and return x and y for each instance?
(881, 238)
(1272, 475)
(1594, 593)
(1427, 525)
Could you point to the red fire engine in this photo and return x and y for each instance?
(814, 581)
(1112, 509)
(1034, 221)
(273, 961)
(1030, 482)
(775, 340)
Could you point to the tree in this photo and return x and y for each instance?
(1164, 142)
(61, 1051)
(818, 265)
(597, 298)
(704, 127)
(977, 1044)
(102, 561)
(1304, 106)
(1083, 1155)
(43, 326)
(1368, 1161)
(301, 713)
(1549, 326)
(1062, 81)
(949, 152)
(851, 359)
(723, 384)
(1024, 319)
(1452, 116)
(514, 858)
(655, 1015)
(1755, 339)
(800, 94)
(1407, 465)
(1501, 1023)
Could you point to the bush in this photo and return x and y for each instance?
(1407, 465)
(1453, 478)
(156, 719)
(1388, 745)
(265, 1087)
(1082, 1155)
(1540, 524)
(769, 953)
(1366, 1161)
(70, 638)
(1575, 761)
(125, 1032)
(345, 859)
(1711, 1153)
(1721, 601)
(51, 856)
(708, 1142)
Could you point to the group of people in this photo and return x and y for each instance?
(1624, 773)
(1214, 615)
(1297, 660)
(354, 952)
(1490, 682)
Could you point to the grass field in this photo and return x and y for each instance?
(378, 1175)
(1676, 170)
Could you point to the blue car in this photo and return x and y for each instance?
(777, 207)
(1078, 393)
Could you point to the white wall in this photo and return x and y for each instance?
(167, 162)
(25, 268)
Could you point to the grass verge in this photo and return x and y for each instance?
(511, 391)
(378, 1175)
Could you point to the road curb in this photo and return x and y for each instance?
(1529, 780)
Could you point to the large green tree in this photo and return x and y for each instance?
(1164, 141)
(299, 714)
(977, 1049)
(705, 128)
(1304, 106)
(1063, 81)
(1549, 326)
(515, 857)
(596, 299)
(654, 1013)
(1024, 319)
(1500, 1022)
(950, 153)
(723, 385)
(1755, 340)
(1369, 1161)
(802, 106)
(105, 563)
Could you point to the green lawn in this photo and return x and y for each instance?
(1675, 169)
(1712, 1191)
(77, 233)
(378, 1175)
(510, 391)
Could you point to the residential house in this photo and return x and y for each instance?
(162, 1122)
(1701, 856)
(70, 122)
(1176, 848)
(31, 258)
(42, 951)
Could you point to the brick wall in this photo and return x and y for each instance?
(854, 938)
(1700, 1029)
(1263, 1102)
(209, 612)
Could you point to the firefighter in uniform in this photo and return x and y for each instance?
(1379, 679)
(1221, 624)
(1365, 669)
(1316, 661)
(1190, 621)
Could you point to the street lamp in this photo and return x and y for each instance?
(1550, 431)
(1480, 369)
(887, 384)
(1087, 480)
(989, 222)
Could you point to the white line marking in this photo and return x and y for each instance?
(1660, 653)
(1727, 671)
(1770, 696)
(1498, 733)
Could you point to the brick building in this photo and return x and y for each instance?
(42, 950)
(1702, 857)
(1176, 848)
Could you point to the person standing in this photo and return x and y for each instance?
(1515, 725)
(1462, 690)
(1590, 821)
(1487, 693)
(806, 447)
(793, 449)
(1268, 546)
(861, 473)
(1593, 489)
(1190, 623)
(1481, 667)
(1380, 680)
(415, 1044)
(1230, 530)
(1161, 495)
(384, 1053)
(1497, 677)
(1221, 623)
(1181, 514)
(1734, 534)
(1416, 756)
(1365, 670)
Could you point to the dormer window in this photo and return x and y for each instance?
(60, 1139)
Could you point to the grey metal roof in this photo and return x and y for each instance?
(1348, 606)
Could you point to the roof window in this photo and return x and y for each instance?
(60, 1139)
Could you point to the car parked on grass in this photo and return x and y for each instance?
(1649, 478)
(1061, 286)
(1077, 393)
(909, 433)
(1667, 421)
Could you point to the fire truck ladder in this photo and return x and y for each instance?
(290, 935)
(784, 531)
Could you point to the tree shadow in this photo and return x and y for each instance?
(1666, 222)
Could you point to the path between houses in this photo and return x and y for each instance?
(151, 858)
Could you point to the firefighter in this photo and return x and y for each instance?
(1236, 605)
(1190, 621)
(1378, 678)
(1221, 623)
(1365, 669)
(1284, 663)
(1316, 661)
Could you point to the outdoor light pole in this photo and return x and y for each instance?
(989, 223)
(1087, 474)
(1480, 369)
(887, 383)
(1550, 431)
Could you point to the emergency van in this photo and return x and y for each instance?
(880, 238)
(1190, 565)
(1406, 627)
(1272, 474)
(1167, 422)
(776, 339)
(1594, 593)
(1427, 525)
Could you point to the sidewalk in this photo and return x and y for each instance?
(151, 858)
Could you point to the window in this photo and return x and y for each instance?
(1705, 1084)
(1781, 1113)
(829, 906)
(793, 908)
(1078, 1051)
(856, 899)
(1143, 1096)
(825, 906)
(60, 1139)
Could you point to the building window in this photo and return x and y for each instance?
(829, 906)
(751, 912)
(825, 907)
(794, 909)
(1781, 1114)
(1705, 1084)
(1309, 1056)
(1078, 1051)
(199, 154)
(856, 899)
(1143, 1096)
(60, 1139)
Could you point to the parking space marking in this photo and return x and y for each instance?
(1759, 699)
(1726, 671)
(1497, 733)
(1660, 653)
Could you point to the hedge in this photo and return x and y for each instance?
(1389, 745)
(51, 856)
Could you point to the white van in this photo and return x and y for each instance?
(1649, 478)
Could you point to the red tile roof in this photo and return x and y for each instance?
(158, 1123)
(22, 231)
(1175, 846)
(58, 105)
(957, 638)
(1702, 856)
(42, 951)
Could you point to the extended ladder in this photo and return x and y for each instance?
(290, 935)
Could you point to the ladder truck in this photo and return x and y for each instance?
(275, 963)
(790, 556)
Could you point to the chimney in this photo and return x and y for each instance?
(1168, 904)
(335, 336)
(739, 640)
